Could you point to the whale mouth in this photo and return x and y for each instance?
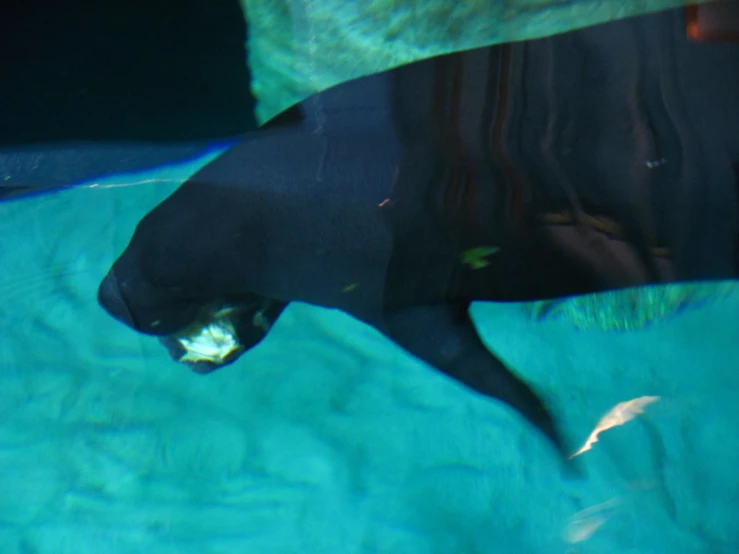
(220, 334)
(214, 341)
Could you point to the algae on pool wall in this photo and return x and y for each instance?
(299, 47)
(633, 308)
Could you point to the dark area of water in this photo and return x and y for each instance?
(94, 88)
(123, 71)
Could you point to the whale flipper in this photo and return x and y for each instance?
(445, 337)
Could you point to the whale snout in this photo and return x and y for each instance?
(143, 307)
(111, 298)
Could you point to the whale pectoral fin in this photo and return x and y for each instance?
(445, 337)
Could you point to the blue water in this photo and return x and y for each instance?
(329, 439)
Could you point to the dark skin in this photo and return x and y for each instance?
(378, 217)
(405, 288)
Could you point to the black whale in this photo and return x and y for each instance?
(404, 196)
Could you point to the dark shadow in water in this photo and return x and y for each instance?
(92, 88)
(159, 70)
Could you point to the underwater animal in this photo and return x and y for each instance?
(387, 202)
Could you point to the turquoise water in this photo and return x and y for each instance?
(329, 439)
